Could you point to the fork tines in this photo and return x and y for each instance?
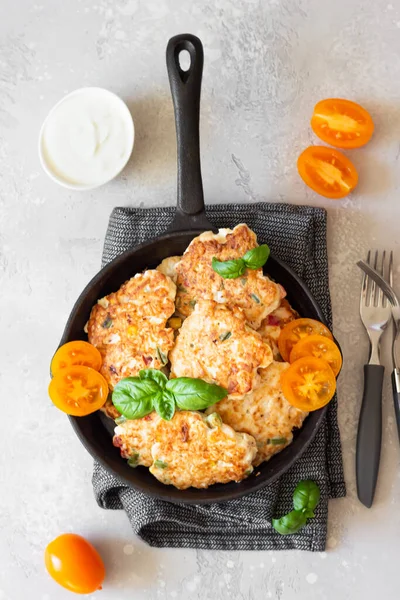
(371, 294)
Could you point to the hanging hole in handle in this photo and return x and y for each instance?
(185, 60)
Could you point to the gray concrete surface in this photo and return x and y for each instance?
(266, 64)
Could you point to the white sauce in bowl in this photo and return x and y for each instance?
(87, 138)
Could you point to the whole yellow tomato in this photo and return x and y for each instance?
(74, 563)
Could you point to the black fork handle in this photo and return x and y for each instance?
(369, 436)
(396, 396)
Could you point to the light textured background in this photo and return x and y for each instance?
(266, 64)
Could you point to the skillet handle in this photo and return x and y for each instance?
(185, 90)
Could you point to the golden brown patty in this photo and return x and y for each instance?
(254, 292)
(135, 439)
(272, 325)
(129, 326)
(188, 451)
(193, 451)
(265, 414)
(216, 344)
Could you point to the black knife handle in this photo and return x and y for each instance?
(396, 397)
(369, 436)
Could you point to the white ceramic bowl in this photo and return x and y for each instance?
(51, 130)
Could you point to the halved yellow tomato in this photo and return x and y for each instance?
(78, 390)
(327, 171)
(309, 383)
(342, 123)
(296, 330)
(320, 347)
(76, 353)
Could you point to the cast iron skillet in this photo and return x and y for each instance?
(95, 431)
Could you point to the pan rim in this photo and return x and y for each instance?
(172, 494)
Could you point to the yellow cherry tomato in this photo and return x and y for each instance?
(327, 171)
(320, 347)
(296, 330)
(78, 390)
(76, 353)
(308, 384)
(75, 564)
(342, 123)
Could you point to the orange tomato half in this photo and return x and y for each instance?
(327, 171)
(75, 564)
(320, 347)
(76, 353)
(296, 330)
(342, 123)
(78, 390)
(309, 383)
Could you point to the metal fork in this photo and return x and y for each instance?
(375, 312)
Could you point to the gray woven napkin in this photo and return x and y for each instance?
(297, 235)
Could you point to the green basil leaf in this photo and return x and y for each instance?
(257, 257)
(164, 405)
(154, 375)
(133, 397)
(306, 496)
(195, 394)
(229, 269)
(160, 464)
(290, 523)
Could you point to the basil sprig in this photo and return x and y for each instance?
(231, 269)
(136, 397)
(305, 499)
